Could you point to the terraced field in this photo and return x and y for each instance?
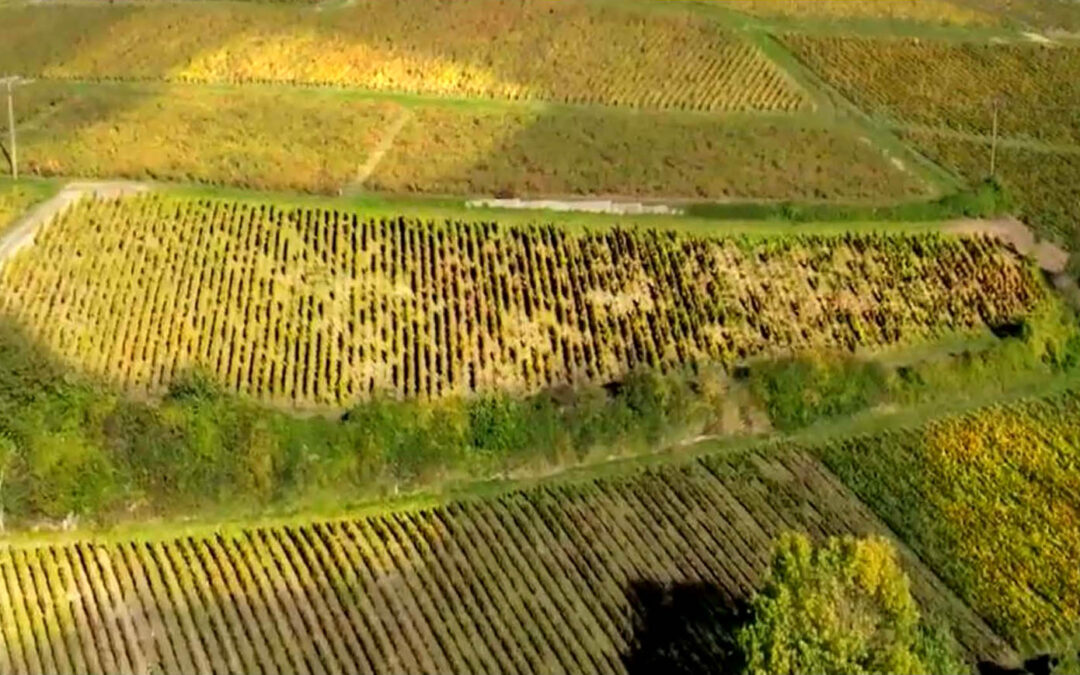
(990, 501)
(319, 307)
(554, 580)
(541, 50)
(954, 86)
(318, 141)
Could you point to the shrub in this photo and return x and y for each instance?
(798, 392)
(844, 607)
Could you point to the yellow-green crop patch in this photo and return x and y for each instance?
(315, 307)
(954, 85)
(989, 499)
(542, 50)
(527, 152)
(17, 198)
(252, 137)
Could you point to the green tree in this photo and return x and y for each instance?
(844, 607)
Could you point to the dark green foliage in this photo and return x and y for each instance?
(497, 424)
(71, 447)
(983, 200)
(801, 391)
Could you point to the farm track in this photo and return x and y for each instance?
(1051, 259)
(385, 143)
(21, 233)
(548, 580)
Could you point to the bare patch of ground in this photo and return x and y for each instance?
(1037, 37)
(1050, 258)
(585, 206)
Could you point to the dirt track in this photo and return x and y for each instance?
(1050, 258)
(22, 231)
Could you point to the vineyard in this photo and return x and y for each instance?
(954, 86)
(929, 11)
(316, 141)
(315, 307)
(523, 152)
(487, 48)
(255, 138)
(1042, 183)
(1049, 15)
(989, 500)
(553, 580)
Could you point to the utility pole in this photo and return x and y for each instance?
(11, 82)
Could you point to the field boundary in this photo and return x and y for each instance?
(1004, 142)
(937, 181)
(225, 524)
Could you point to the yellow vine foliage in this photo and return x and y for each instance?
(953, 85)
(318, 307)
(252, 137)
(1006, 481)
(552, 50)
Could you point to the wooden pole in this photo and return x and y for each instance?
(11, 129)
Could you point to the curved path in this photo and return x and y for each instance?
(22, 231)
(1052, 259)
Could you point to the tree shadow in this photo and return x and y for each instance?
(683, 628)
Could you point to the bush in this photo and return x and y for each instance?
(497, 424)
(844, 607)
(798, 392)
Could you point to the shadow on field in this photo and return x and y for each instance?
(683, 628)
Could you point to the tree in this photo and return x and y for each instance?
(844, 607)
